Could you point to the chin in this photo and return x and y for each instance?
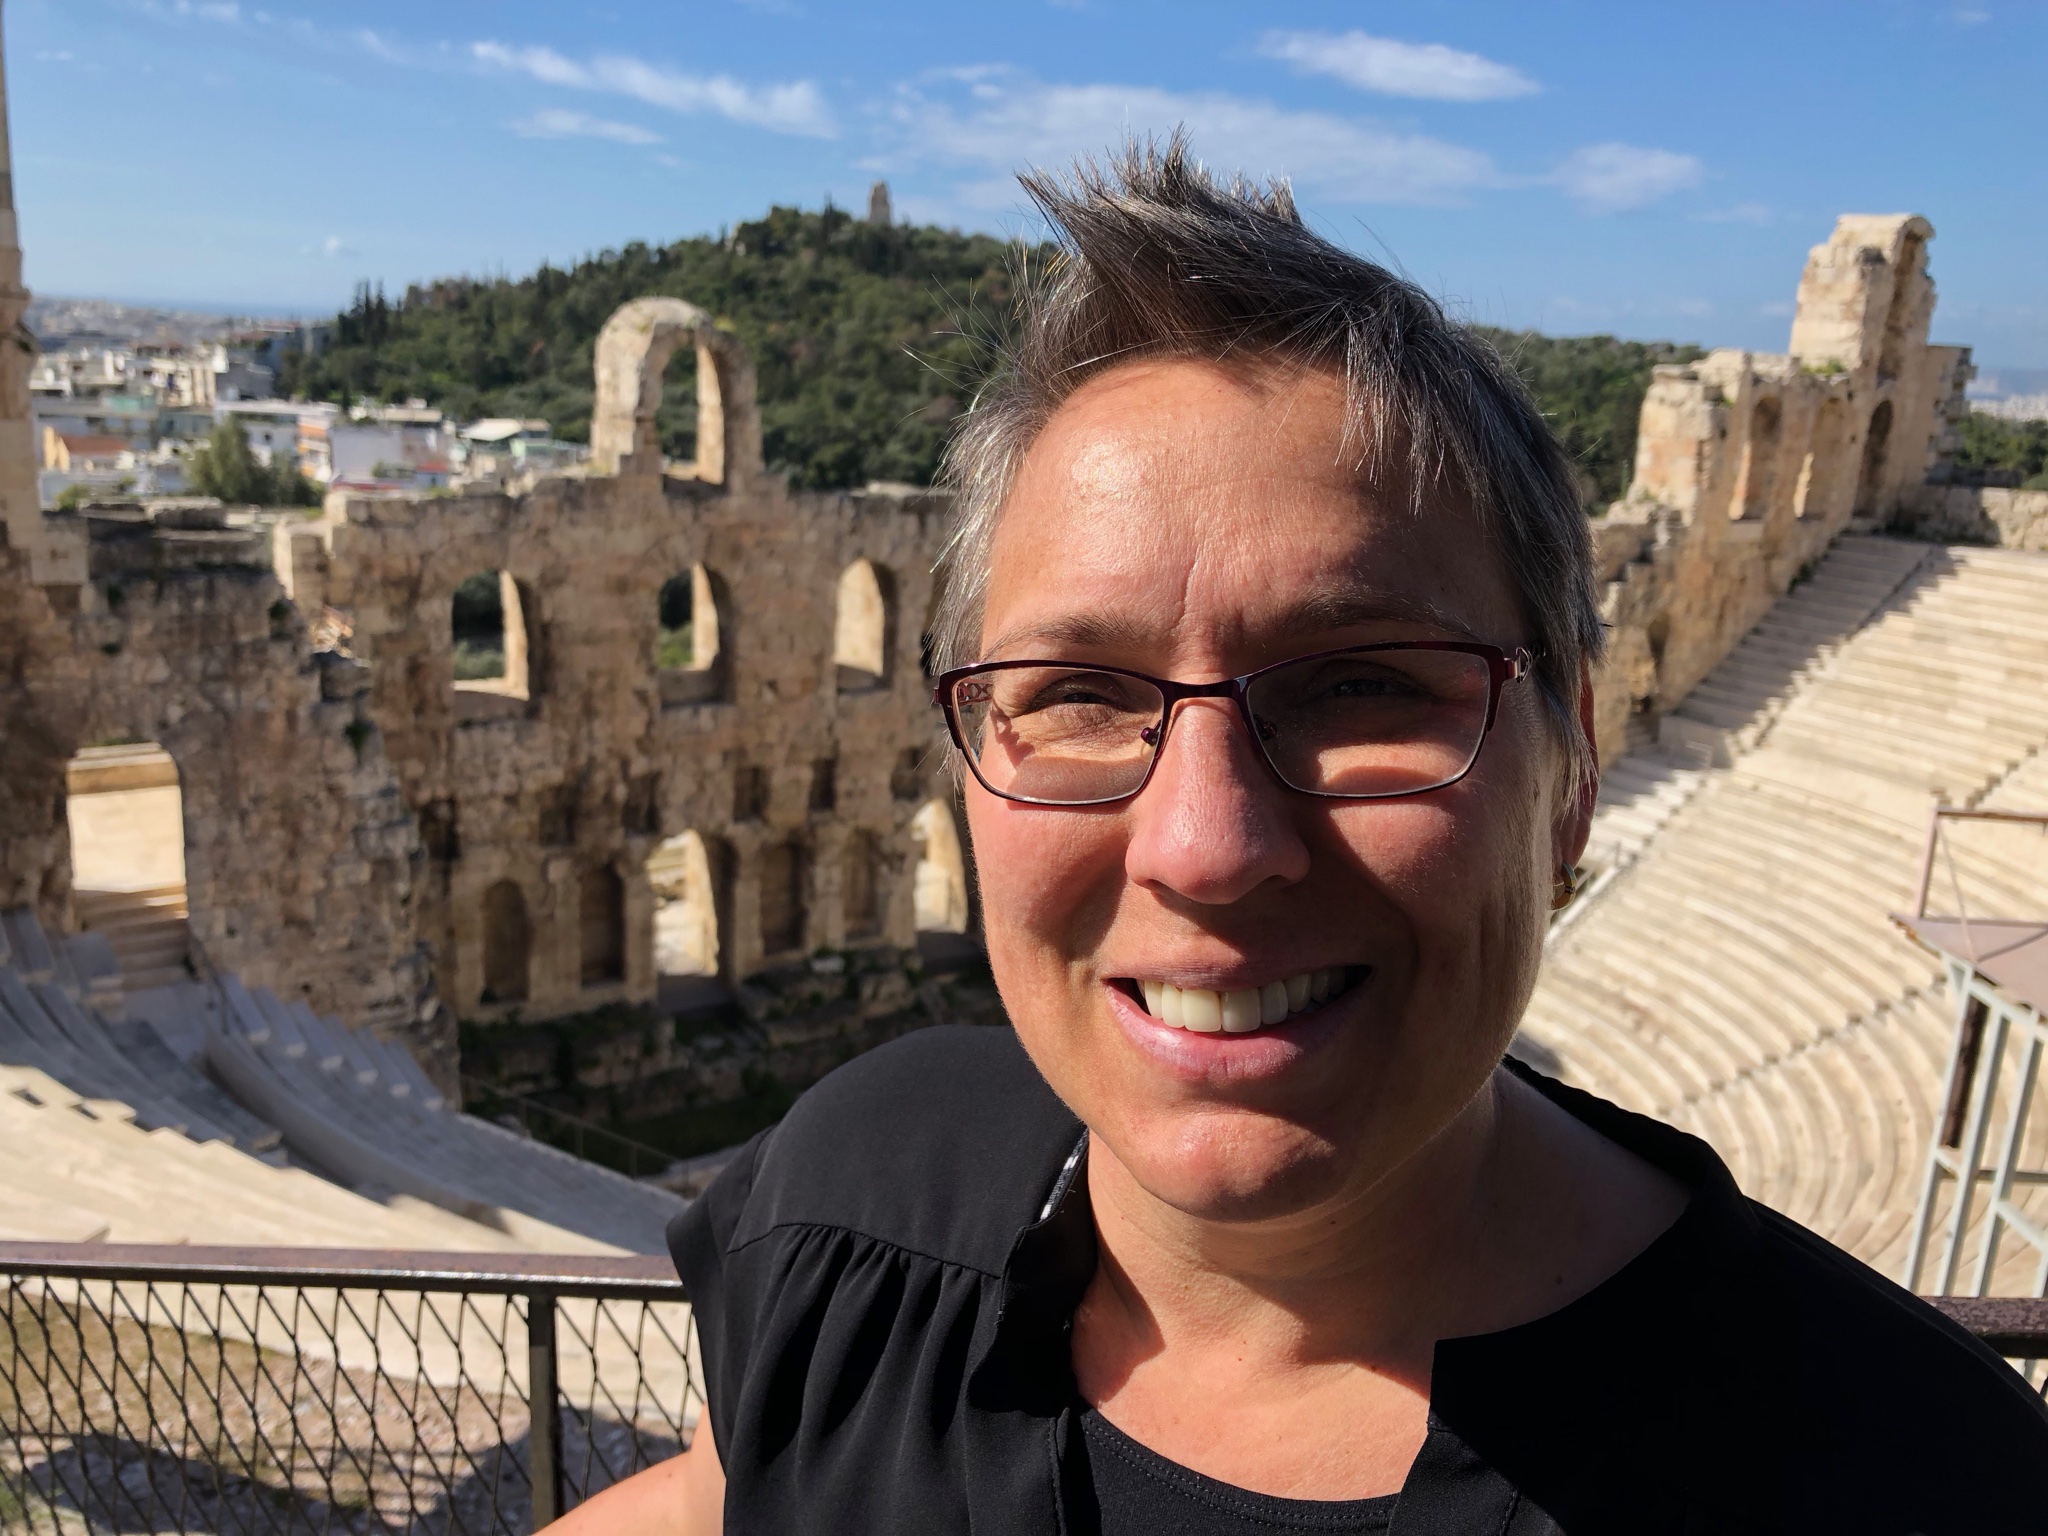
(1231, 1166)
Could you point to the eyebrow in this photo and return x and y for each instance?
(1324, 609)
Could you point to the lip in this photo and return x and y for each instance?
(1260, 1056)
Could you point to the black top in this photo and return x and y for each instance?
(883, 1285)
(1138, 1492)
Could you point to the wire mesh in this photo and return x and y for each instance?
(183, 1405)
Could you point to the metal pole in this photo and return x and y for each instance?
(1927, 858)
(544, 1424)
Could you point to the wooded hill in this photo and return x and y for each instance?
(866, 342)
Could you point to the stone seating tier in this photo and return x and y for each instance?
(1737, 973)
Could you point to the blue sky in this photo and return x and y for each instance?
(1651, 169)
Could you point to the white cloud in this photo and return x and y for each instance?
(796, 107)
(1605, 178)
(1427, 71)
(560, 123)
(997, 120)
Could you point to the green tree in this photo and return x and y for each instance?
(228, 468)
(865, 341)
(1991, 442)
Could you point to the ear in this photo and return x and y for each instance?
(1575, 815)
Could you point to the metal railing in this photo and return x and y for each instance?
(301, 1390)
(172, 1388)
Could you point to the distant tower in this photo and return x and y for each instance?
(878, 205)
(20, 501)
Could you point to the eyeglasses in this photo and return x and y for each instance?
(1368, 722)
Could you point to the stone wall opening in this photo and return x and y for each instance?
(1899, 313)
(861, 630)
(601, 921)
(1876, 442)
(685, 874)
(508, 944)
(939, 885)
(1759, 482)
(781, 880)
(1820, 474)
(689, 658)
(860, 886)
(127, 822)
(488, 639)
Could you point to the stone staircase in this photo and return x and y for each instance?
(1735, 970)
(148, 930)
(210, 1112)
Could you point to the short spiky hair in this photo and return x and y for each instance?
(1157, 259)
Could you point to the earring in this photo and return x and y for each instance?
(1567, 888)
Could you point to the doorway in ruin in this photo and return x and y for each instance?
(601, 920)
(782, 878)
(1876, 441)
(508, 943)
(1759, 483)
(860, 886)
(938, 887)
(687, 875)
(127, 821)
(1822, 475)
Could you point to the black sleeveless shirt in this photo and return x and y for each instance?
(883, 1285)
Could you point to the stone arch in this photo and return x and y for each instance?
(1876, 445)
(686, 874)
(939, 885)
(863, 627)
(1760, 454)
(508, 943)
(488, 636)
(689, 646)
(633, 353)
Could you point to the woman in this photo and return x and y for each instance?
(1270, 625)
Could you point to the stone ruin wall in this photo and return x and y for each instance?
(1748, 465)
(788, 766)
(350, 811)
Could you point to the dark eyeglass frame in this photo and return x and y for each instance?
(1503, 667)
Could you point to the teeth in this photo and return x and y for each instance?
(1238, 1012)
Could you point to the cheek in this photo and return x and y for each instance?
(1050, 882)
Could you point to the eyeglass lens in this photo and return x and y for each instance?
(1368, 723)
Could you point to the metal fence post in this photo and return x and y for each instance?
(544, 1405)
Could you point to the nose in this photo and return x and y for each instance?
(1214, 824)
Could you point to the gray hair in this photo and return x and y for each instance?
(1156, 259)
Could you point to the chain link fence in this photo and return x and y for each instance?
(295, 1390)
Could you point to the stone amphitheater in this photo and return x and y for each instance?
(262, 843)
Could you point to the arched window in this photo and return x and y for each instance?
(684, 873)
(487, 621)
(1899, 313)
(860, 886)
(688, 654)
(939, 886)
(508, 943)
(861, 630)
(781, 879)
(601, 915)
(1760, 461)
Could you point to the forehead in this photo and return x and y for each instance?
(1185, 510)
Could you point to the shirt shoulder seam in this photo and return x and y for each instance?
(842, 1229)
